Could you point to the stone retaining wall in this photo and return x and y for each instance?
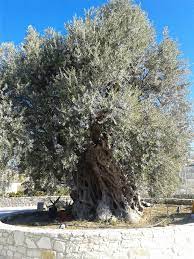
(28, 201)
(153, 243)
(175, 201)
(32, 201)
(143, 243)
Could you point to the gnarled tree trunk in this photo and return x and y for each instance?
(101, 189)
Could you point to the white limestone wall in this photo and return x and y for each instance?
(28, 201)
(153, 243)
(32, 201)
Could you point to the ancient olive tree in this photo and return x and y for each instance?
(102, 107)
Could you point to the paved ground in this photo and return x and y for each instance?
(12, 210)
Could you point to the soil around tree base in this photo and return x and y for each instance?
(158, 215)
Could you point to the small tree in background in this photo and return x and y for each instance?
(103, 108)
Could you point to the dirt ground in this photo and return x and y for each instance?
(157, 215)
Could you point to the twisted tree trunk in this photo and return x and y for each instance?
(101, 189)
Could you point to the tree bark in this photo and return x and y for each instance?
(101, 188)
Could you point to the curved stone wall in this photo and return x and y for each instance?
(153, 243)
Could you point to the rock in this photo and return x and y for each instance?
(133, 216)
(62, 226)
(146, 204)
(113, 220)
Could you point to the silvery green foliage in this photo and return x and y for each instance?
(54, 86)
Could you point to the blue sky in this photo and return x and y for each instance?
(178, 15)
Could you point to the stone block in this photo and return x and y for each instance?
(60, 256)
(34, 253)
(9, 253)
(59, 246)
(48, 254)
(19, 238)
(30, 243)
(44, 242)
(10, 240)
(21, 249)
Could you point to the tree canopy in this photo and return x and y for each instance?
(107, 77)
